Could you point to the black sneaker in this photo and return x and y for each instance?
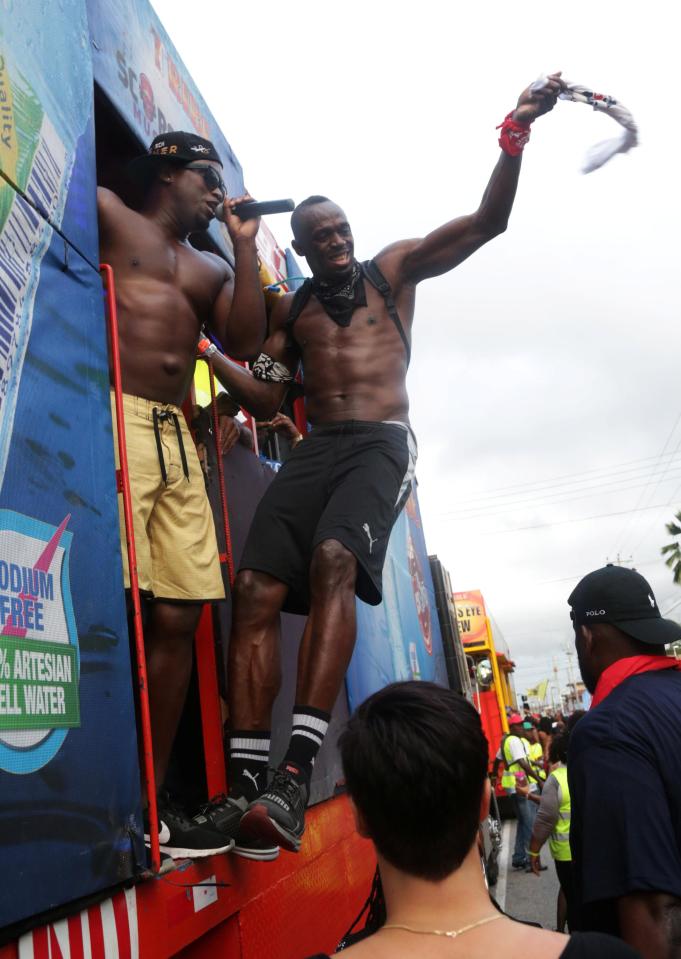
(278, 816)
(224, 814)
(185, 838)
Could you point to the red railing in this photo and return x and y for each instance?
(124, 485)
(206, 663)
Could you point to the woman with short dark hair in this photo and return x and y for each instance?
(415, 760)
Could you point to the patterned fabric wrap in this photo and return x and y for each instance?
(270, 370)
(600, 153)
(342, 299)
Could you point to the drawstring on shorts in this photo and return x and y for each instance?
(159, 417)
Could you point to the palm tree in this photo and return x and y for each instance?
(673, 550)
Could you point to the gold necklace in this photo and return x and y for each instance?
(449, 933)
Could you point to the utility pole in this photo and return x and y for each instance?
(619, 561)
(555, 688)
(569, 652)
(571, 680)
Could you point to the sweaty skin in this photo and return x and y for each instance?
(166, 290)
(356, 372)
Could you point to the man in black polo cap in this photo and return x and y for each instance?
(625, 765)
(166, 290)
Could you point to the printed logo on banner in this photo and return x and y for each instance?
(39, 656)
(34, 160)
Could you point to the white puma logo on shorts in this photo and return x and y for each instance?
(371, 539)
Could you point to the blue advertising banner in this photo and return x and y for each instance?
(46, 105)
(70, 821)
(401, 638)
(139, 69)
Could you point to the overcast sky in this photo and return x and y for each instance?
(544, 382)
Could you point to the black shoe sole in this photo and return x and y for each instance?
(257, 823)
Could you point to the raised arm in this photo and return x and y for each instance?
(239, 319)
(449, 245)
(262, 397)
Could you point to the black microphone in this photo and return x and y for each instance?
(252, 208)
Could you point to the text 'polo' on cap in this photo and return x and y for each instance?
(623, 598)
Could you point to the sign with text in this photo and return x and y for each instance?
(39, 662)
(471, 616)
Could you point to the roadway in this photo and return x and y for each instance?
(524, 895)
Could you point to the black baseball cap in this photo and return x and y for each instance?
(174, 146)
(622, 597)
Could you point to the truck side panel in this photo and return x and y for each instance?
(69, 788)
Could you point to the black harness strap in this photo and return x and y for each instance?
(300, 300)
(379, 282)
(372, 273)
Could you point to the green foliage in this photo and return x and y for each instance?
(672, 551)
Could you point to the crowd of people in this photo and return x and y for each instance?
(415, 758)
(609, 804)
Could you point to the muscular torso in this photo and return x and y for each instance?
(356, 372)
(165, 291)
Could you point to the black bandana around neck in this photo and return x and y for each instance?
(342, 299)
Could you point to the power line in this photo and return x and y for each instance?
(535, 667)
(564, 522)
(537, 485)
(672, 499)
(621, 537)
(577, 576)
(670, 608)
(561, 662)
(600, 490)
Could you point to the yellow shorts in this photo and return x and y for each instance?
(177, 552)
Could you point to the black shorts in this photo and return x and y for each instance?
(348, 482)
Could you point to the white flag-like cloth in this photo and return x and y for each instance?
(600, 153)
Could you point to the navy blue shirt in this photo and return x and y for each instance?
(624, 769)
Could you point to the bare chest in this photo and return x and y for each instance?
(371, 330)
(142, 255)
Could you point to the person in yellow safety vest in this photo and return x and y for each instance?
(535, 750)
(514, 752)
(552, 823)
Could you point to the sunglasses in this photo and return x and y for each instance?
(210, 175)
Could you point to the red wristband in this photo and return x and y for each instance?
(513, 136)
